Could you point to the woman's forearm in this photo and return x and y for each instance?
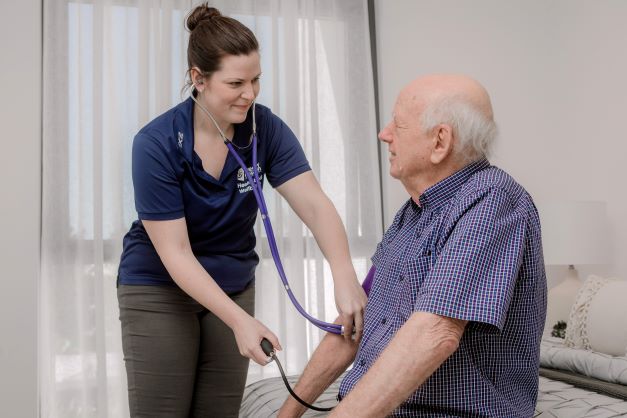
(193, 279)
(316, 210)
(328, 230)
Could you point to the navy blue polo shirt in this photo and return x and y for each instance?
(472, 250)
(170, 183)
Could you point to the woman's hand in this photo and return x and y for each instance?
(248, 333)
(350, 300)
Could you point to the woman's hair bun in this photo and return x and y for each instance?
(199, 14)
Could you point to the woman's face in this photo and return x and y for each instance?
(229, 92)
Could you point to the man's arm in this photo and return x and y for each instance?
(331, 358)
(422, 344)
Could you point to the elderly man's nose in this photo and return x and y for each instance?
(384, 135)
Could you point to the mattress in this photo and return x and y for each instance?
(559, 399)
(556, 398)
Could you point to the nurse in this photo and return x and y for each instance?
(186, 278)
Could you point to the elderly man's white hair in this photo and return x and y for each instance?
(474, 130)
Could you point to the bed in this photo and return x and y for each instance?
(572, 383)
(583, 374)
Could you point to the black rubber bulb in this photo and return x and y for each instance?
(266, 346)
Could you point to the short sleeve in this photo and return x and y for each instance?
(474, 276)
(157, 190)
(286, 158)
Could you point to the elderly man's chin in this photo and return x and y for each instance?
(395, 171)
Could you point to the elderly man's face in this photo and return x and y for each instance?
(408, 146)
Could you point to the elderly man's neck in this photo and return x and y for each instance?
(417, 185)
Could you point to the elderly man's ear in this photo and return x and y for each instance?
(442, 143)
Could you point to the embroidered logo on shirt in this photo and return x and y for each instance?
(243, 185)
(180, 140)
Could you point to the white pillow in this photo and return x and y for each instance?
(554, 355)
(598, 318)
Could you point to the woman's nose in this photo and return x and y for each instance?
(249, 92)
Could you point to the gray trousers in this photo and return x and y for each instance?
(181, 360)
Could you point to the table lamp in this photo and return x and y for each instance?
(573, 233)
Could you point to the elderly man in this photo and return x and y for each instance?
(458, 301)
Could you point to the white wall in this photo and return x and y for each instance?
(557, 74)
(20, 174)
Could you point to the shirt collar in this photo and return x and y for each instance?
(184, 131)
(184, 128)
(440, 193)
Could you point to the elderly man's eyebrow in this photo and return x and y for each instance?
(398, 123)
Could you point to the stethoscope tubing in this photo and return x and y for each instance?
(256, 187)
(257, 190)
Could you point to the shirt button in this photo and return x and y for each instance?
(383, 321)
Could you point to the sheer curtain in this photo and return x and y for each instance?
(112, 65)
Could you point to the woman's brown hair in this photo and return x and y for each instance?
(212, 36)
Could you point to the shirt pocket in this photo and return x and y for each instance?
(412, 276)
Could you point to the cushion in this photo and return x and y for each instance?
(610, 389)
(601, 366)
(597, 318)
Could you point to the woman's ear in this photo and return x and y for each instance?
(197, 78)
(442, 143)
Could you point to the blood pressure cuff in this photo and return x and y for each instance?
(367, 284)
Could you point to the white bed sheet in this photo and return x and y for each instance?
(555, 399)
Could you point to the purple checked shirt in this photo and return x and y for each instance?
(471, 251)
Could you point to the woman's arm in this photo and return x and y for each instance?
(171, 241)
(307, 199)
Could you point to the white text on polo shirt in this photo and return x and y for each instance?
(243, 185)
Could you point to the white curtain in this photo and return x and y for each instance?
(112, 65)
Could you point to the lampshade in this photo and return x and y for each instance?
(574, 232)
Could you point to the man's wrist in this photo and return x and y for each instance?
(291, 408)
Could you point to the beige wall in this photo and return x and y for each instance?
(556, 74)
(20, 174)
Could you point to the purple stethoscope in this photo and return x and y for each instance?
(256, 187)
